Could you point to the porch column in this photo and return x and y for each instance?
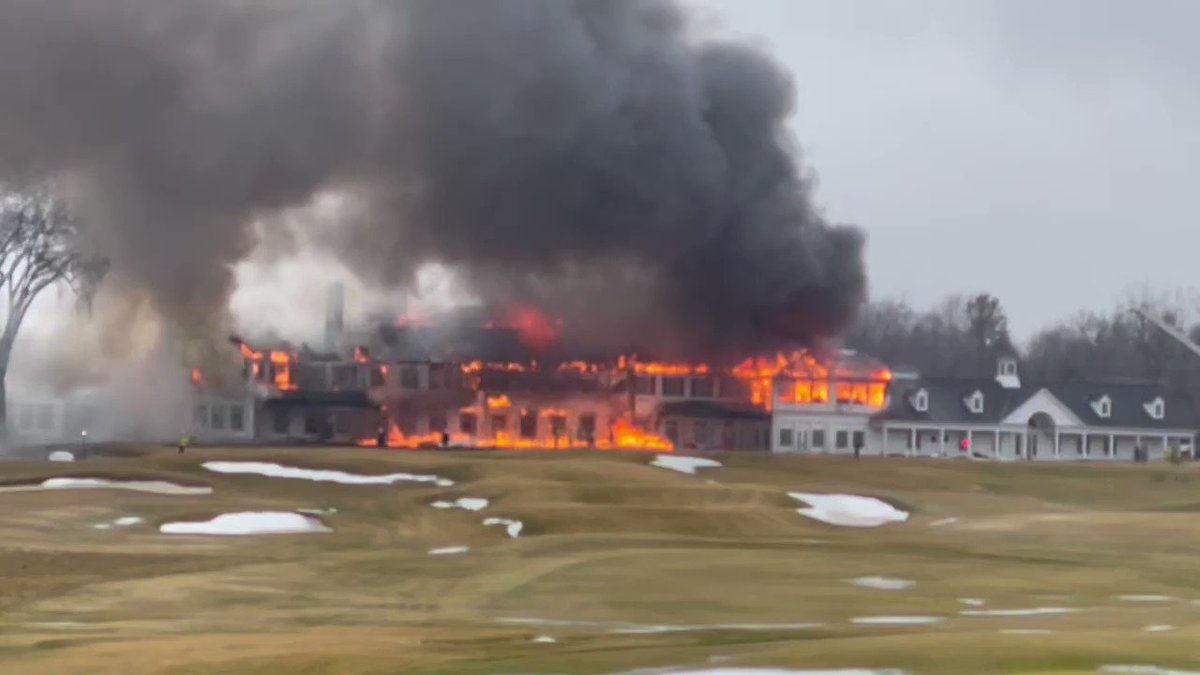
(996, 443)
(970, 441)
(912, 441)
(1083, 447)
(883, 451)
(1057, 437)
(942, 442)
(1112, 446)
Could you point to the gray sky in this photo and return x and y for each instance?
(1047, 151)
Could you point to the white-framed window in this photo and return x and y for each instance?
(1103, 406)
(975, 402)
(1008, 367)
(920, 400)
(1157, 408)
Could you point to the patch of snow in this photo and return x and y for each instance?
(151, 486)
(1145, 598)
(1035, 611)
(318, 512)
(972, 602)
(513, 527)
(544, 640)
(1143, 670)
(943, 522)
(102, 526)
(1026, 631)
(1158, 628)
(250, 522)
(128, 521)
(272, 470)
(449, 550)
(61, 456)
(881, 583)
(894, 620)
(687, 465)
(464, 503)
(848, 510)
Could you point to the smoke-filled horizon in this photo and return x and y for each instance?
(596, 158)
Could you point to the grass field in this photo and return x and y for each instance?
(626, 566)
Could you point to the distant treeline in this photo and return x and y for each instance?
(963, 336)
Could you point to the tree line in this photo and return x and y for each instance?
(963, 335)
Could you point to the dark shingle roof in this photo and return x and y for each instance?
(708, 409)
(947, 402)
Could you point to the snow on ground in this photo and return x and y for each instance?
(1145, 598)
(152, 486)
(1034, 611)
(125, 521)
(513, 527)
(272, 470)
(1026, 631)
(700, 628)
(449, 550)
(61, 456)
(544, 640)
(972, 602)
(881, 583)
(943, 522)
(250, 522)
(465, 503)
(1158, 628)
(318, 512)
(894, 620)
(848, 510)
(687, 465)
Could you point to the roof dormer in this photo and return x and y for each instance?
(974, 402)
(1102, 407)
(1006, 372)
(1156, 409)
(920, 401)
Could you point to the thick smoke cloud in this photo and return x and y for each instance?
(593, 156)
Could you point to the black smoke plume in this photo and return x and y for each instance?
(597, 158)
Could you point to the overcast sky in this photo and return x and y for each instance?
(1046, 151)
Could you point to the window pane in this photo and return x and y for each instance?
(785, 437)
(859, 439)
(672, 386)
(841, 439)
(818, 438)
(236, 418)
(702, 387)
(218, 417)
(202, 416)
(529, 424)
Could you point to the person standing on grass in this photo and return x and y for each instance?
(183, 443)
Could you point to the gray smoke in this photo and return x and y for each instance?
(597, 158)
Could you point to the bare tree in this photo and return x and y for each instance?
(40, 245)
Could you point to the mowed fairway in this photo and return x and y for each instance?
(625, 565)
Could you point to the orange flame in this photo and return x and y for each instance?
(501, 401)
(282, 362)
(361, 355)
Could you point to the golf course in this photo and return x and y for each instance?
(367, 561)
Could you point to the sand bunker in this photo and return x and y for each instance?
(687, 465)
(157, 487)
(848, 510)
(249, 523)
(272, 470)
(513, 527)
(464, 503)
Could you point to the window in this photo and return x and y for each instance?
(841, 439)
(975, 402)
(729, 436)
(437, 376)
(218, 417)
(587, 425)
(409, 377)
(645, 385)
(671, 431)
(313, 422)
(700, 433)
(467, 422)
(1008, 367)
(558, 426)
(341, 422)
(702, 387)
(528, 423)
(282, 422)
(786, 437)
(499, 422)
(345, 376)
(920, 401)
(1103, 407)
(672, 386)
(201, 417)
(237, 418)
(818, 438)
(1156, 408)
(860, 440)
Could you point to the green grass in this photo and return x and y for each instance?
(610, 541)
